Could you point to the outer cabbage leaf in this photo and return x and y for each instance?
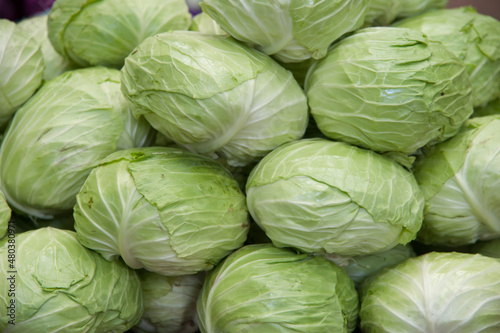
(163, 209)
(21, 68)
(416, 7)
(260, 288)
(289, 30)
(435, 292)
(5, 214)
(169, 303)
(214, 96)
(205, 24)
(61, 286)
(59, 135)
(382, 12)
(474, 38)
(459, 179)
(390, 90)
(104, 32)
(55, 64)
(329, 197)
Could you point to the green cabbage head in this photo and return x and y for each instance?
(390, 90)
(55, 64)
(474, 38)
(382, 12)
(169, 303)
(61, 286)
(60, 134)
(164, 209)
(459, 179)
(204, 23)
(261, 288)
(322, 196)
(104, 32)
(415, 7)
(435, 292)
(289, 30)
(21, 68)
(214, 96)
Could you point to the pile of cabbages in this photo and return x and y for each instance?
(265, 166)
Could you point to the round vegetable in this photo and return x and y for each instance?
(435, 292)
(215, 96)
(390, 90)
(460, 182)
(330, 197)
(260, 288)
(163, 209)
(415, 7)
(204, 23)
(55, 64)
(60, 134)
(382, 12)
(104, 32)
(169, 303)
(472, 37)
(61, 286)
(290, 30)
(21, 68)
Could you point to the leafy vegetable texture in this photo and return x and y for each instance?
(55, 64)
(21, 68)
(5, 214)
(436, 292)
(382, 12)
(214, 96)
(415, 7)
(163, 209)
(390, 90)
(461, 184)
(169, 303)
(104, 32)
(474, 38)
(289, 30)
(322, 196)
(61, 286)
(60, 134)
(261, 288)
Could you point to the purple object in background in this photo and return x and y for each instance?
(17, 9)
(194, 6)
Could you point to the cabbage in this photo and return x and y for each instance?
(322, 196)
(163, 209)
(58, 285)
(435, 292)
(214, 96)
(104, 32)
(473, 38)
(260, 288)
(55, 64)
(55, 139)
(390, 90)
(290, 30)
(459, 179)
(21, 68)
